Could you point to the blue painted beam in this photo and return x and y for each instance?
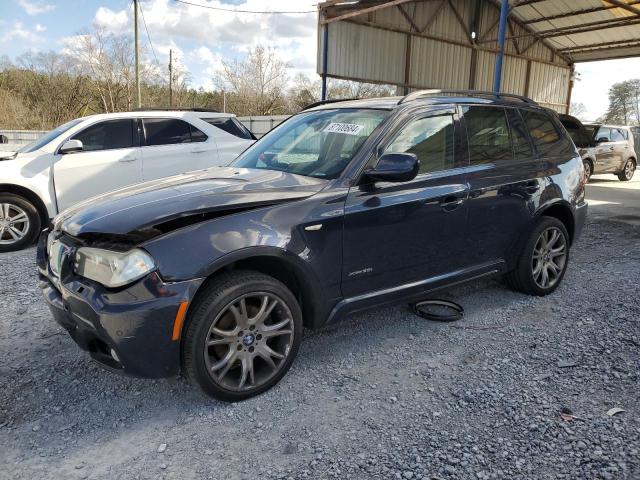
(325, 53)
(502, 32)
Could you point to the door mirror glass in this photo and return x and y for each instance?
(395, 167)
(71, 146)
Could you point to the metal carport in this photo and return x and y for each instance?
(456, 43)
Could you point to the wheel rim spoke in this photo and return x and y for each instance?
(549, 257)
(276, 333)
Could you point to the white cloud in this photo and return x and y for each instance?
(223, 35)
(17, 31)
(40, 28)
(35, 8)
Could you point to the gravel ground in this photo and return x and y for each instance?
(520, 388)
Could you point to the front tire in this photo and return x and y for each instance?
(627, 172)
(19, 223)
(543, 260)
(242, 335)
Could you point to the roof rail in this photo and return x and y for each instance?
(325, 102)
(470, 93)
(181, 109)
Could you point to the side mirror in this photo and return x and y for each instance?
(4, 139)
(395, 167)
(71, 146)
(602, 140)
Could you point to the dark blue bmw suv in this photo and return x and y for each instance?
(343, 207)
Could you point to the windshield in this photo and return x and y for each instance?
(47, 137)
(315, 144)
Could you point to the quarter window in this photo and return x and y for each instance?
(488, 135)
(107, 135)
(544, 134)
(230, 125)
(170, 131)
(430, 139)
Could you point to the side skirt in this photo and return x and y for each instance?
(413, 291)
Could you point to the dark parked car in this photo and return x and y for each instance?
(582, 139)
(616, 149)
(343, 207)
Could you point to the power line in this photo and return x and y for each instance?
(148, 36)
(234, 10)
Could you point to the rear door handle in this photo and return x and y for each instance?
(128, 158)
(451, 202)
(199, 150)
(532, 186)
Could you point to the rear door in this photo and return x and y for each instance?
(505, 176)
(110, 159)
(397, 233)
(606, 156)
(173, 146)
(621, 148)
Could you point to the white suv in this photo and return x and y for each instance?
(93, 155)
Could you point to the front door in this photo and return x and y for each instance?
(110, 159)
(397, 233)
(607, 157)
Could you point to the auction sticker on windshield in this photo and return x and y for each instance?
(346, 128)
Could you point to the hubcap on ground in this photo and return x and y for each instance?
(248, 342)
(549, 257)
(14, 223)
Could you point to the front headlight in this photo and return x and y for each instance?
(113, 269)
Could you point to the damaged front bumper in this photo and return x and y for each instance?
(128, 330)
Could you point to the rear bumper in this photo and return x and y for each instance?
(128, 331)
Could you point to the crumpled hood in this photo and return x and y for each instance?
(143, 207)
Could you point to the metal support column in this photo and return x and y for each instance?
(325, 52)
(504, 12)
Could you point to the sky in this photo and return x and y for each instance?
(201, 38)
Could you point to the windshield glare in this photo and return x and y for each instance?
(315, 144)
(47, 137)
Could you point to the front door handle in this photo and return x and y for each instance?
(199, 150)
(128, 158)
(611, 148)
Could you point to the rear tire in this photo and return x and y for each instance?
(242, 335)
(627, 172)
(543, 260)
(19, 223)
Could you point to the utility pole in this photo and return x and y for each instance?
(170, 78)
(137, 48)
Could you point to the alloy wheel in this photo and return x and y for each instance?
(249, 340)
(587, 170)
(629, 169)
(549, 257)
(14, 223)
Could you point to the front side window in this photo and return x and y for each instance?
(318, 144)
(430, 139)
(487, 134)
(107, 135)
(170, 131)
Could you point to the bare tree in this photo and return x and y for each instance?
(257, 83)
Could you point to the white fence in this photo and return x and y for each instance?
(258, 125)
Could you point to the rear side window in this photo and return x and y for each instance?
(107, 135)
(522, 148)
(170, 131)
(232, 126)
(488, 134)
(430, 139)
(546, 137)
